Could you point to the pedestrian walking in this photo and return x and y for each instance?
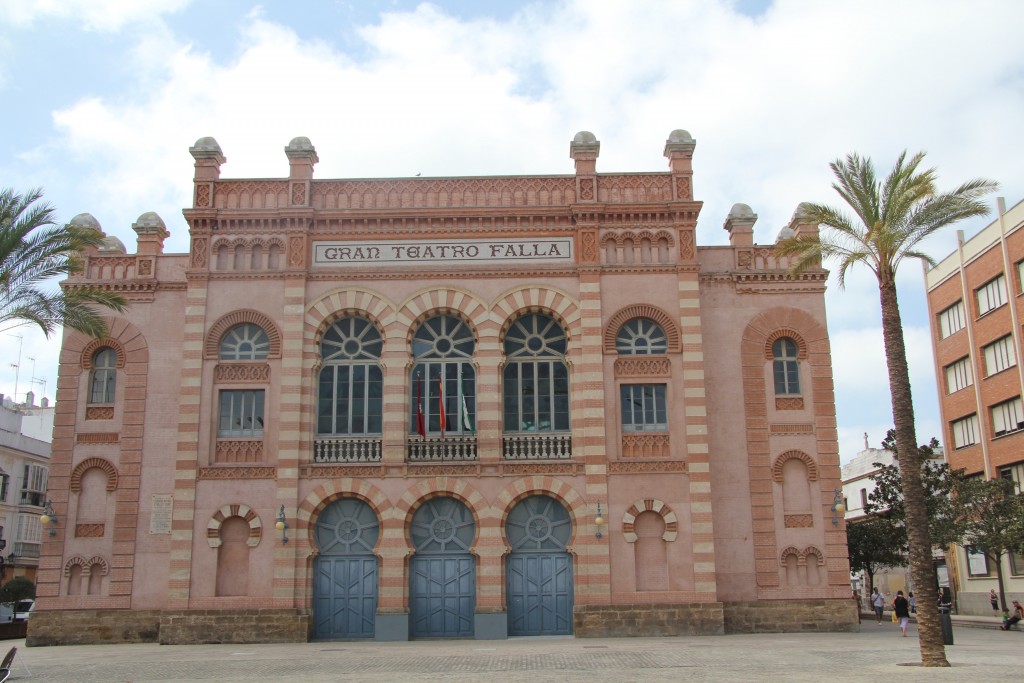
(994, 600)
(878, 603)
(913, 602)
(901, 608)
(856, 601)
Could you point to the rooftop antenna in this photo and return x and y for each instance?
(37, 380)
(16, 366)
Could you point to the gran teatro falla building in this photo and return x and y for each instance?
(473, 407)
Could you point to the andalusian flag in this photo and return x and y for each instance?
(467, 424)
(440, 402)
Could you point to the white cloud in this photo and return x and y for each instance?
(92, 15)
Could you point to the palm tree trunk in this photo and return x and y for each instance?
(933, 652)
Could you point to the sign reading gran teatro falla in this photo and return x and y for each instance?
(430, 252)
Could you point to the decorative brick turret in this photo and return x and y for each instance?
(152, 232)
(301, 158)
(740, 225)
(208, 158)
(679, 152)
(584, 150)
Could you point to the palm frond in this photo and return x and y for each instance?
(34, 250)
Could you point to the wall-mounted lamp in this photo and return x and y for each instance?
(282, 525)
(838, 508)
(49, 518)
(598, 522)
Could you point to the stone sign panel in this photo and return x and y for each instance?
(433, 252)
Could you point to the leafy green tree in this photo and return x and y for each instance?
(874, 542)
(18, 588)
(892, 216)
(993, 521)
(35, 249)
(945, 516)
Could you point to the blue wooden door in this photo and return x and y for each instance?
(345, 597)
(538, 572)
(442, 573)
(345, 584)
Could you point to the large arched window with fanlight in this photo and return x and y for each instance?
(443, 381)
(350, 388)
(536, 377)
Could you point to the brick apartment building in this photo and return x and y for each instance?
(976, 309)
(445, 407)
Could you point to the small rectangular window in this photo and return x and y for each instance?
(643, 408)
(1014, 473)
(1020, 280)
(977, 563)
(999, 355)
(1007, 417)
(241, 414)
(951, 320)
(1016, 563)
(991, 295)
(863, 498)
(959, 375)
(965, 431)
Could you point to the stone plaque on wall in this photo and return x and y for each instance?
(160, 517)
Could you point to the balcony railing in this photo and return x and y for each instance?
(553, 446)
(436, 449)
(347, 450)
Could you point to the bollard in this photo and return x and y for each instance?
(946, 622)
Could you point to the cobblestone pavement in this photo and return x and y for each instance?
(875, 654)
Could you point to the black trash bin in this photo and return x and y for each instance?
(946, 622)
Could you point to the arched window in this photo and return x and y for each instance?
(536, 378)
(644, 406)
(443, 382)
(104, 376)
(640, 337)
(785, 367)
(244, 342)
(351, 386)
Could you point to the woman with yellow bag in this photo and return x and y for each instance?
(901, 612)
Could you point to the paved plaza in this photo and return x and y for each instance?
(875, 654)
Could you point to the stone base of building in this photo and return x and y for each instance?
(183, 627)
(610, 621)
(791, 616)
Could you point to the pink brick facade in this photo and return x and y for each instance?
(714, 511)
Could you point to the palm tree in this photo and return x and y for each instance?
(34, 249)
(891, 219)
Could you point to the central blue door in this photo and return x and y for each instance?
(442, 573)
(345, 571)
(538, 573)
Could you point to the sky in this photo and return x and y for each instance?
(102, 99)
